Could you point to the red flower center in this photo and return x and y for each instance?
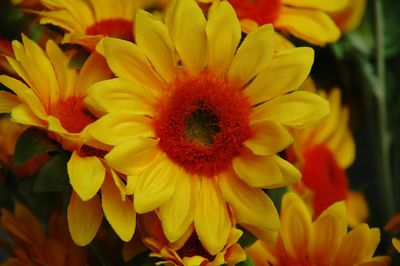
(119, 28)
(323, 175)
(73, 115)
(202, 123)
(261, 11)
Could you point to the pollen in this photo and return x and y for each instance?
(202, 123)
(261, 11)
(118, 28)
(73, 115)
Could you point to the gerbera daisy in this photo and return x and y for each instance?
(322, 153)
(322, 242)
(87, 22)
(305, 19)
(187, 251)
(52, 98)
(196, 121)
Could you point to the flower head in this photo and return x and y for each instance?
(322, 242)
(195, 117)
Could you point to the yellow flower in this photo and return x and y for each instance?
(322, 242)
(322, 153)
(305, 19)
(187, 250)
(87, 22)
(196, 122)
(52, 98)
(30, 245)
(348, 18)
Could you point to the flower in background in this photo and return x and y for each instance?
(322, 154)
(322, 242)
(196, 122)
(87, 22)
(30, 246)
(187, 250)
(52, 99)
(393, 226)
(5, 50)
(348, 18)
(307, 20)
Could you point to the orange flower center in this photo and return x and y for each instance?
(261, 11)
(202, 123)
(73, 115)
(118, 28)
(322, 174)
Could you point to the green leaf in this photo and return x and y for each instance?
(32, 143)
(247, 238)
(276, 195)
(54, 174)
(247, 262)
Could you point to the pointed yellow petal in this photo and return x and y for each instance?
(118, 94)
(177, 213)
(396, 244)
(211, 218)
(253, 55)
(287, 71)
(186, 24)
(133, 156)
(314, 26)
(86, 175)
(251, 205)
(7, 101)
(223, 36)
(268, 138)
(22, 114)
(117, 127)
(357, 208)
(127, 61)
(120, 214)
(84, 219)
(297, 109)
(156, 185)
(153, 38)
(325, 5)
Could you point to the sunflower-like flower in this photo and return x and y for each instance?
(305, 19)
(196, 118)
(51, 98)
(322, 242)
(322, 153)
(87, 22)
(30, 245)
(187, 250)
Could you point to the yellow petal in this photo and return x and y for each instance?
(357, 208)
(177, 213)
(297, 109)
(267, 138)
(351, 16)
(156, 185)
(251, 205)
(211, 218)
(286, 72)
(120, 214)
(84, 219)
(22, 114)
(357, 246)
(120, 95)
(153, 38)
(117, 127)
(296, 227)
(133, 156)
(86, 175)
(7, 101)
(253, 55)
(186, 24)
(127, 61)
(223, 36)
(396, 244)
(314, 26)
(325, 5)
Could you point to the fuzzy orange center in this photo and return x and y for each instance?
(322, 174)
(119, 28)
(202, 123)
(261, 11)
(73, 115)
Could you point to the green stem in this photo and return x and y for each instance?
(384, 137)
